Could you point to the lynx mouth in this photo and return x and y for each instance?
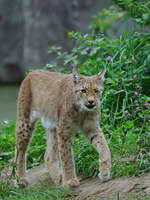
(90, 106)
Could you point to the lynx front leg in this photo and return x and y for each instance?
(64, 143)
(51, 156)
(99, 142)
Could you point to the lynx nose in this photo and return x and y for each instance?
(91, 102)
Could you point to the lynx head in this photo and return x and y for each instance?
(88, 90)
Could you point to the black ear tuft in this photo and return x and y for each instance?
(76, 76)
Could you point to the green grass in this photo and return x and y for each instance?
(8, 192)
(129, 149)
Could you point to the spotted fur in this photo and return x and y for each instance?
(63, 103)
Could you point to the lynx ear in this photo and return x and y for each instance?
(76, 76)
(102, 74)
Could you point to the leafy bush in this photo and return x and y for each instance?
(139, 10)
(105, 18)
(127, 60)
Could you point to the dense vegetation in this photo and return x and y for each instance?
(139, 10)
(125, 105)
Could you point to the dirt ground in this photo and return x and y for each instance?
(93, 189)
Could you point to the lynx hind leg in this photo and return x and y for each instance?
(24, 130)
(52, 157)
(69, 178)
(24, 126)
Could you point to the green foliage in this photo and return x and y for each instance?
(38, 192)
(125, 104)
(125, 58)
(7, 145)
(37, 147)
(86, 157)
(7, 141)
(139, 10)
(105, 18)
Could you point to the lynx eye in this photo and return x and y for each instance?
(83, 91)
(96, 91)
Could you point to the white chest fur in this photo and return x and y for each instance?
(47, 122)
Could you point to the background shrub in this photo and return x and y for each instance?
(138, 10)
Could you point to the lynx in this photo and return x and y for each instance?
(63, 103)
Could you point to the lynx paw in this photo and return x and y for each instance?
(22, 183)
(104, 176)
(71, 183)
(57, 179)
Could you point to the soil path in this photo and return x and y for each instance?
(92, 189)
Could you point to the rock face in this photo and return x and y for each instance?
(28, 28)
(11, 40)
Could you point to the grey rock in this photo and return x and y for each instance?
(11, 40)
(29, 27)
